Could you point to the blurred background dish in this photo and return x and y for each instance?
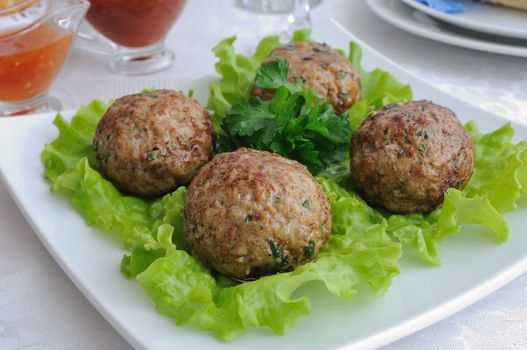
(517, 4)
(416, 22)
(272, 6)
(35, 39)
(485, 18)
(133, 31)
(299, 11)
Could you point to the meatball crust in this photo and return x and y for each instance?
(150, 143)
(251, 213)
(405, 156)
(322, 69)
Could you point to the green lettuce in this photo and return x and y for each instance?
(74, 142)
(427, 232)
(237, 72)
(501, 167)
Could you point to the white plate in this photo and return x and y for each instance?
(474, 265)
(418, 23)
(491, 19)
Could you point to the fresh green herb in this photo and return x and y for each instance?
(422, 134)
(148, 90)
(421, 148)
(305, 204)
(106, 157)
(190, 93)
(277, 199)
(295, 123)
(275, 75)
(284, 260)
(275, 250)
(156, 152)
(151, 157)
(248, 217)
(385, 131)
(309, 250)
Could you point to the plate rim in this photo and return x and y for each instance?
(398, 331)
(384, 12)
(468, 23)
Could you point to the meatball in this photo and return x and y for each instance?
(251, 213)
(405, 156)
(322, 69)
(150, 143)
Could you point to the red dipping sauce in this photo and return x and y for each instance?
(29, 62)
(134, 23)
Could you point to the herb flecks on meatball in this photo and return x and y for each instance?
(251, 213)
(320, 68)
(151, 143)
(405, 156)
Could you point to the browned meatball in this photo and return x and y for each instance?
(250, 213)
(322, 69)
(404, 157)
(151, 143)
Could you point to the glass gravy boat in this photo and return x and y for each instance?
(35, 40)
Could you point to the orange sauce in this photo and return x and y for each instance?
(134, 23)
(29, 62)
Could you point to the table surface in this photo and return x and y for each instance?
(40, 308)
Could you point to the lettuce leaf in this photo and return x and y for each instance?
(237, 72)
(378, 88)
(427, 232)
(75, 140)
(501, 167)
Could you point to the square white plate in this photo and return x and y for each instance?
(474, 265)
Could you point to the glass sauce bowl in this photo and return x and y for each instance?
(35, 39)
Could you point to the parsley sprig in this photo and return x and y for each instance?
(295, 123)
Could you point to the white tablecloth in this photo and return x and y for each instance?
(41, 309)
